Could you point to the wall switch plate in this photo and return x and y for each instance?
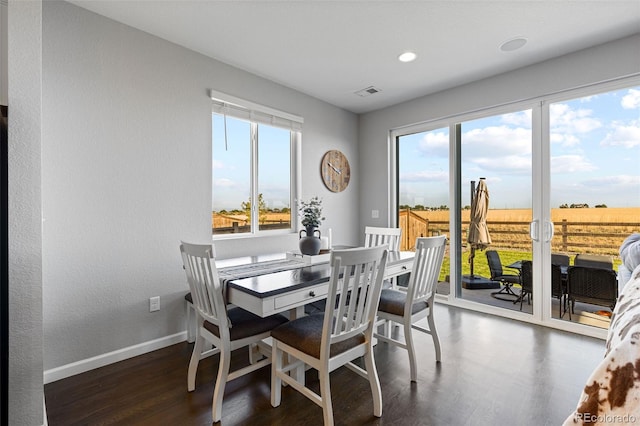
(154, 304)
(375, 214)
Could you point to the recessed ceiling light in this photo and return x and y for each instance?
(513, 44)
(407, 57)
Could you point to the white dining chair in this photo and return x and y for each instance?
(407, 307)
(375, 236)
(341, 335)
(226, 329)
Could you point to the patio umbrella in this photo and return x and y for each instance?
(478, 236)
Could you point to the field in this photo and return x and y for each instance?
(588, 230)
(607, 215)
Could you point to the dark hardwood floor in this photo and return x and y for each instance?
(494, 371)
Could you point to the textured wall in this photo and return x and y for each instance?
(127, 174)
(598, 64)
(25, 226)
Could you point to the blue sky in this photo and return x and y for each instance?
(232, 168)
(595, 156)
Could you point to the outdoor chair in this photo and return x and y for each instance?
(559, 259)
(227, 330)
(558, 288)
(408, 307)
(343, 334)
(497, 274)
(526, 276)
(591, 285)
(593, 261)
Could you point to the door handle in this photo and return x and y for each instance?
(549, 231)
(534, 231)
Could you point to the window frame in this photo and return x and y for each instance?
(256, 115)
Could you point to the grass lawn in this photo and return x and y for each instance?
(507, 257)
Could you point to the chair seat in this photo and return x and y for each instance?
(245, 324)
(305, 334)
(392, 302)
(513, 279)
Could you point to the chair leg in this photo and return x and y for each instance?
(374, 383)
(434, 334)
(221, 382)
(276, 381)
(408, 337)
(193, 363)
(191, 320)
(325, 394)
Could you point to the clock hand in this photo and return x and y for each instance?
(338, 171)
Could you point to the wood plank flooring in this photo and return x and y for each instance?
(494, 371)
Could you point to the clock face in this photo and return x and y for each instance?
(335, 171)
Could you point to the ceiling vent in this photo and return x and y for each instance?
(367, 91)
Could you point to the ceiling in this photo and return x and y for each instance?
(332, 49)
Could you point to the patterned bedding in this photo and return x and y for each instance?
(612, 393)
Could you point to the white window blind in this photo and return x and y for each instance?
(232, 106)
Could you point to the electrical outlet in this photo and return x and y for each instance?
(154, 304)
(375, 214)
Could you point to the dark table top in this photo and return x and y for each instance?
(272, 284)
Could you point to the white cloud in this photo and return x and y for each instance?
(425, 176)
(496, 141)
(508, 164)
(631, 100)
(435, 143)
(570, 164)
(218, 164)
(618, 180)
(564, 120)
(522, 118)
(623, 135)
(224, 183)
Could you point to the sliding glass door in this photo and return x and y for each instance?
(561, 173)
(595, 194)
(423, 190)
(496, 165)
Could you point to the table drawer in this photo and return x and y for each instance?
(395, 270)
(301, 297)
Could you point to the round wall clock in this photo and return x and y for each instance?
(335, 170)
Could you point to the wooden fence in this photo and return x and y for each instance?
(569, 237)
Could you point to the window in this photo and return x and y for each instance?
(253, 167)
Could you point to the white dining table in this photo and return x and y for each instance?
(265, 292)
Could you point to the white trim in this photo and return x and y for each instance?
(98, 361)
(252, 106)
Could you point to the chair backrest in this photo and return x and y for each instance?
(426, 269)
(556, 280)
(495, 265)
(526, 275)
(593, 261)
(593, 285)
(204, 283)
(355, 285)
(375, 236)
(559, 259)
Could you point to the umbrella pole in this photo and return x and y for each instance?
(471, 258)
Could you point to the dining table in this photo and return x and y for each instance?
(288, 284)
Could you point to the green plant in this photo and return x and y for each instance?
(311, 212)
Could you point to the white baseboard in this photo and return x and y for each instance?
(81, 366)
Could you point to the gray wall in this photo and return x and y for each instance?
(25, 226)
(598, 64)
(126, 174)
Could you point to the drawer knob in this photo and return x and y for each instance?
(404, 268)
(312, 293)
